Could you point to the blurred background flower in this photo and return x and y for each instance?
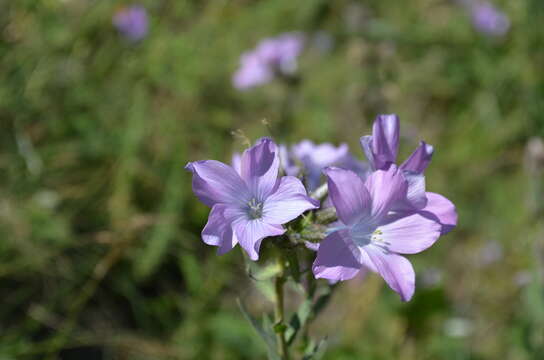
(272, 57)
(132, 22)
(486, 18)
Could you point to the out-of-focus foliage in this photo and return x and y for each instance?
(100, 255)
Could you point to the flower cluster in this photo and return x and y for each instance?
(272, 57)
(383, 209)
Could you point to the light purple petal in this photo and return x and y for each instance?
(236, 163)
(337, 257)
(409, 234)
(288, 202)
(348, 194)
(252, 72)
(260, 166)
(385, 140)
(396, 270)
(286, 162)
(215, 182)
(420, 158)
(311, 245)
(386, 187)
(321, 155)
(316, 157)
(441, 209)
(366, 144)
(415, 196)
(250, 233)
(217, 231)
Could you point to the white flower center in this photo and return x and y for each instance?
(364, 234)
(255, 209)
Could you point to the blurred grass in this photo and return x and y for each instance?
(100, 255)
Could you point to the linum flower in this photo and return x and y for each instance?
(250, 205)
(370, 234)
(272, 57)
(381, 149)
(132, 22)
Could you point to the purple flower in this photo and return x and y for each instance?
(317, 157)
(132, 22)
(272, 57)
(370, 235)
(489, 20)
(381, 149)
(250, 205)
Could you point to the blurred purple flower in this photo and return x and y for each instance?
(316, 157)
(370, 234)
(272, 57)
(287, 162)
(488, 19)
(251, 204)
(132, 22)
(381, 149)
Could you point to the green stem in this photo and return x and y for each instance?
(279, 315)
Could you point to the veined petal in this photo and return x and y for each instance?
(366, 144)
(409, 234)
(250, 233)
(441, 209)
(348, 194)
(396, 270)
(260, 166)
(217, 231)
(236, 163)
(420, 158)
(385, 140)
(337, 257)
(386, 187)
(287, 202)
(415, 196)
(215, 182)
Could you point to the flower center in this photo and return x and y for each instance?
(363, 235)
(255, 209)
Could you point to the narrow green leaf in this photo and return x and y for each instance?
(263, 330)
(315, 351)
(298, 320)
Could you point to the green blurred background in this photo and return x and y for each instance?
(100, 254)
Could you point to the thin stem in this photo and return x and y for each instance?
(279, 315)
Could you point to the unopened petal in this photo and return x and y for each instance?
(419, 159)
(385, 140)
